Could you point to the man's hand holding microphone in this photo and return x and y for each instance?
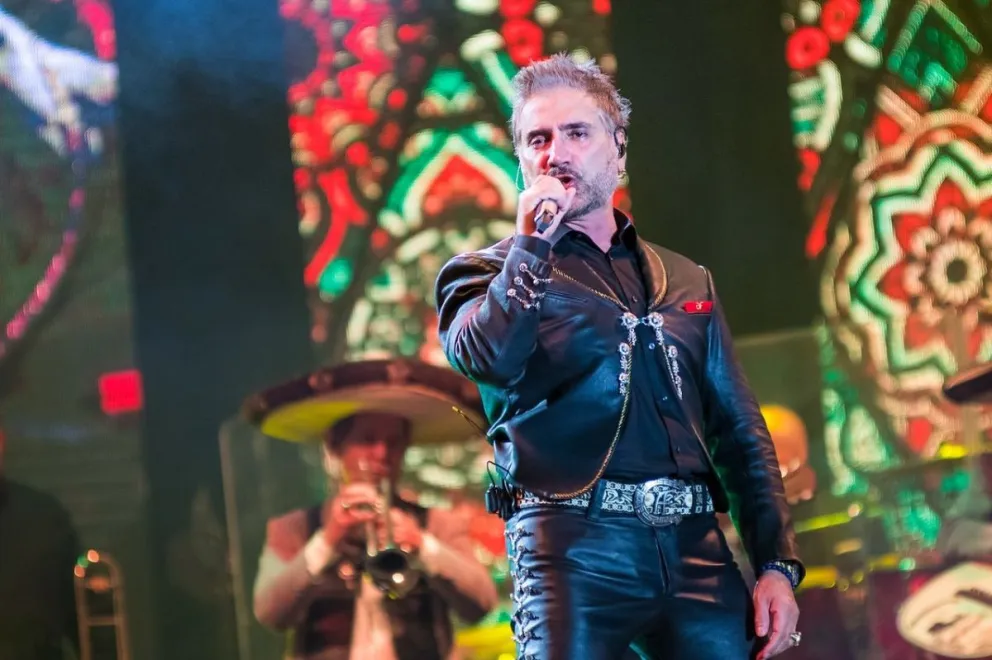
(541, 207)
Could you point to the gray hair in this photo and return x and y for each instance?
(562, 71)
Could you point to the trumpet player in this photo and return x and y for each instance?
(315, 569)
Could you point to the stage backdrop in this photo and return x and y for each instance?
(399, 116)
(891, 110)
(69, 393)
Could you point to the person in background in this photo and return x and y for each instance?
(39, 547)
(312, 579)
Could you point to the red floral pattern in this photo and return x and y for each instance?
(908, 287)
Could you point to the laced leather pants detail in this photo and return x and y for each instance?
(587, 589)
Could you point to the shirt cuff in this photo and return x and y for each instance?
(430, 552)
(317, 554)
(538, 247)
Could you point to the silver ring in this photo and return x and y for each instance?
(796, 637)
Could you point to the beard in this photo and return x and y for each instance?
(593, 194)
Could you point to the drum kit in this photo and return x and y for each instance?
(881, 590)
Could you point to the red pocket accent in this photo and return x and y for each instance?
(698, 307)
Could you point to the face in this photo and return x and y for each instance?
(563, 133)
(371, 446)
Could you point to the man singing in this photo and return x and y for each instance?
(619, 412)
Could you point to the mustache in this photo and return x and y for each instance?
(558, 172)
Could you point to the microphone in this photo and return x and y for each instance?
(546, 213)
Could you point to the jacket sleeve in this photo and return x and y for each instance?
(488, 312)
(744, 453)
(452, 570)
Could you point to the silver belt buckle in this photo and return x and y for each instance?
(654, 499)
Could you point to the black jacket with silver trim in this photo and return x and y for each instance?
(548, 353)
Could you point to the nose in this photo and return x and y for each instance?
(557, 153)
(379, 450)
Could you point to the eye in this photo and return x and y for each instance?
(537, 141)
(578, 133)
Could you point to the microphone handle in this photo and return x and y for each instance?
(545, 215)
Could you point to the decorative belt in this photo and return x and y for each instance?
(658, 502)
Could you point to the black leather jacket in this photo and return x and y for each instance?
(546, 352)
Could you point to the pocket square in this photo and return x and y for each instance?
(698, 306)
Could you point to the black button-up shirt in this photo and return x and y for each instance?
(653, 443)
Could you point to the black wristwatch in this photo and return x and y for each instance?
(786, 567)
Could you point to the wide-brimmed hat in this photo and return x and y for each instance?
(442, 405)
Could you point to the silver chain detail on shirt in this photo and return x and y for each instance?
(655, 321)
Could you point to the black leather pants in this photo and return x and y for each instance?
(586, 589)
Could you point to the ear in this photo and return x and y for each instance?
(620, 137)
(332, 463)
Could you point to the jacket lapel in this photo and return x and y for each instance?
(654, 273)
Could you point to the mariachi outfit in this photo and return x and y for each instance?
(622, 421)
(319, 594)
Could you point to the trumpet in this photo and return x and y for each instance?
(388, 567)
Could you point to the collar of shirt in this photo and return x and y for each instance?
(626, 233)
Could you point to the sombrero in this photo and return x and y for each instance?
(972, 385)
(442, 405)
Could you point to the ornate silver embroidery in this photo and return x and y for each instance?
(657, 322)
(512, 293)
(523, 621)
(534, 278)
(532, 298)
(668, 497)
(626, 364)
(619, 497)
(630, 322)
(529, 499)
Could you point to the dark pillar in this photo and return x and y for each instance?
(217, 265)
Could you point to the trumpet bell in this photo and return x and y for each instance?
(392, 571)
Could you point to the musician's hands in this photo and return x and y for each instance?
(543, 188)
(407, 533)
(354, 505)
(775, 613)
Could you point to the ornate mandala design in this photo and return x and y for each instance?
(891, 122)
(908, 286)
